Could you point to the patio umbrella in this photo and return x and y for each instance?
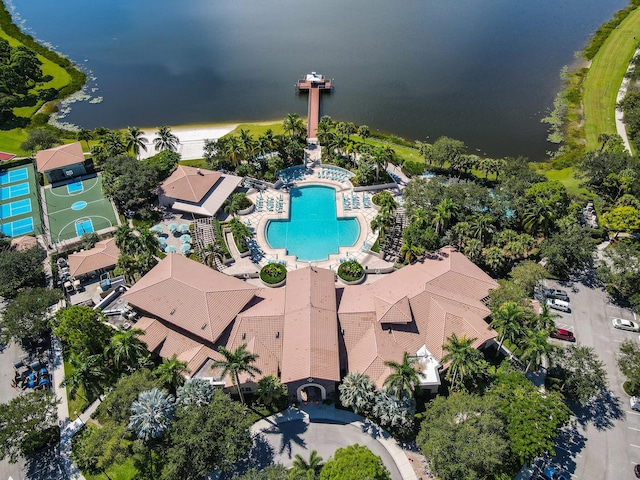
(170, 249)
(185, 247)
(186, 238)
(157, 229)
(162, 240)
(184, 228)
(172, 227)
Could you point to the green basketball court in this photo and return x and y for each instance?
(78, 207)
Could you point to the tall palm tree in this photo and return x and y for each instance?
(539, 216)
(307, 470)
(508, 322)
(147, 242)
(444, 213)
(546, 319)
(232, 149)
(482, 227)
(151, 414)
(165, 140)
(364, 132)
(405, 378)
(171, 372)
(410, 252)
(494, 259)
(473, 250)
(89, 373)
(126, 350)
(293, 125)
(128, 266)
(324, 133)
(465, 362)
(85, 135)
(248, 144)
(135, 141)
(126, 240)
(113, 143)
(357, 391)
(237, 362)
(536, 347)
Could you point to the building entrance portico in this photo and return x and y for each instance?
(311, 392)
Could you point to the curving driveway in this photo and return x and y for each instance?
(325, 429)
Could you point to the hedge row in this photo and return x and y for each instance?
(78, 78)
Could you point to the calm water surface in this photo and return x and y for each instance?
(483, 71)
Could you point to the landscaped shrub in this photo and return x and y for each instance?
(413, 167)
(350, 271)
(273, 273)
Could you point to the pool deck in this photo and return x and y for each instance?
(258, 222)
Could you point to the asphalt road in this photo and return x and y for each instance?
(605, 442)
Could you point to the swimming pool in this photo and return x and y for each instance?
(313, 230)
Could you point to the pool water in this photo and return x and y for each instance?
(313, 230)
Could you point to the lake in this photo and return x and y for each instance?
(482, 71)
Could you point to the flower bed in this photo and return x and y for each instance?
(351, 272)
(273, 274)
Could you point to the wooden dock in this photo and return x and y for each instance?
(314, 84)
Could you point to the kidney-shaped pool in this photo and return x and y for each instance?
(313, 230)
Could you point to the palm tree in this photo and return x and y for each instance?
(113, 143)
(126, 350)
(135, 141)
(357, 391)
(364, 132)
(546, 319)
(89, 373)
(85, 135)
(324, 133)
(129, 267)
(410, 252)
(165, 140)
(126, 240)
(515, 250)
(473, 250)
(151, 414)
(536, 347)
(237, 362)
(445, 211)
(507, 321)
(460, 234)
(248, 144)
(270, 391)
(539, 216)
(307, 470)
(405, 378)
(147, 242)
(494, 259)
(171, 372)
(293, 125)
(233, 150)
(195, 391)
(465, 362)
(481, 227)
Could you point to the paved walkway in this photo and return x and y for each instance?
(325, 429)
(620, 126)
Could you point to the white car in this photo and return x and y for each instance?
(622, 324)
(634, 403)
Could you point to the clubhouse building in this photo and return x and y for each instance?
(311, 332)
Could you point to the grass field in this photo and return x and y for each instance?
(605, 76)
(64, 209)
(10, 140)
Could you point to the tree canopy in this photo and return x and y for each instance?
(580, 372)
(25, 318)
(20, 269)
(129, 183)
(354, 462)
(82, 329)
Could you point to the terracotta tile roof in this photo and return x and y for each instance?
(59, 157)
(310, 347)
(191, 296)
(23, 243)
(103, 255)
(396, 312)
(189, 184)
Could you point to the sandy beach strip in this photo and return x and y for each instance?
(191, 138)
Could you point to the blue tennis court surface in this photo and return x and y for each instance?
(14, 191)
(13, 176)
(75, 187)
(15, 208)
(19, 227)
(85, 226)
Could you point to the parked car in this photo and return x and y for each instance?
(636, 470)
(634, 403)
(551, 473)
(562, 334)
(555, 293)
(622, 324)
(558, 305)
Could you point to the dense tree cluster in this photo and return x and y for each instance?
(20, 270)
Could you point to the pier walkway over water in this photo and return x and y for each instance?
(314, 83)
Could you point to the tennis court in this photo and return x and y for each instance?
(15, 175)
(20, 199)
(13, 191)
(19, 227)
(78, 207)
(15, 208)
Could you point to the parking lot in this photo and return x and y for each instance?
(605, 441)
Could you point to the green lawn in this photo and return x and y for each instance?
(80, 403)
(605, 76)
(121, 471)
